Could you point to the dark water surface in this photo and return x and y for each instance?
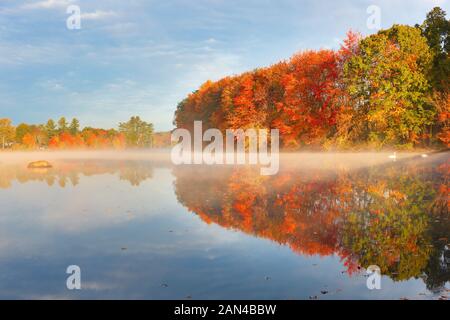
(148, 230)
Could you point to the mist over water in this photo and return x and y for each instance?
(140, 227)
(304, 159)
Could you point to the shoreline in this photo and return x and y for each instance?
(324, 160)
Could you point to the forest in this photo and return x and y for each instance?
(52, 135)
(386, 90)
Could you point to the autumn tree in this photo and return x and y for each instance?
(348, 127)
(31, 136)
(308, 108)
(441, 101)
(29, 141)
(387, 82)
(7, 132)
(243, 112)
(21, 130)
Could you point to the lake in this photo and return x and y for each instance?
(141, 228)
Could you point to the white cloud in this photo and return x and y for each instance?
(16, 54)
(98, 15)
(52, 85)
(47, 4)
(437, 2)
(211, 41)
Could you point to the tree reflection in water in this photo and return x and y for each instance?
(394, 216)
(69, 172)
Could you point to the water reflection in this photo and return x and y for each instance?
(69, 171)
(394, 216)
(322, 219)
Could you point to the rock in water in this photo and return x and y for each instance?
(39, 165)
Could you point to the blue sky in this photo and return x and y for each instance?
(139, 57)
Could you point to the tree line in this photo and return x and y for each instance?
(389, 89)
(135, 133)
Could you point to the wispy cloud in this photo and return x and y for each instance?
(51, 84)
(47, 4)
(98, 15)
(16, 55)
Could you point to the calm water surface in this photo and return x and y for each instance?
(143, 229)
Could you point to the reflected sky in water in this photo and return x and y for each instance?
(141, 229)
